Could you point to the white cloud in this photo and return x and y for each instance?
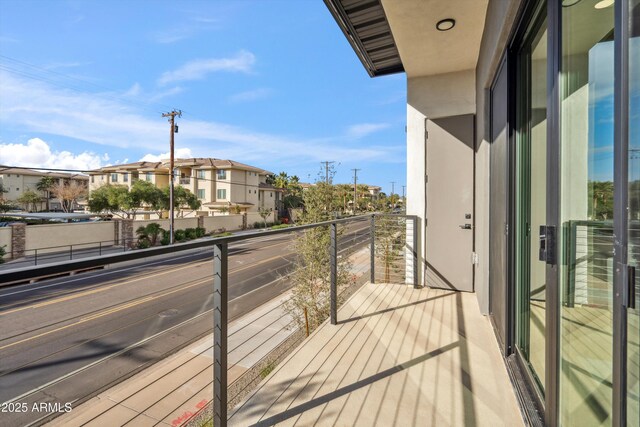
(251, 95)
(198, 69)
(363, 129)
(37, 153)
(107, 119)
(183, 153)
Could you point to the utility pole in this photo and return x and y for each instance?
(355, 189)
(393, 184)
(172, 115)
(326, 170)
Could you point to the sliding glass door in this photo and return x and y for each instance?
(531, 197)
(633, 236)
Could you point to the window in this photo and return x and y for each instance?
(201, 174)
(222, 193)
(222, 174)
(92, 179)
(148, 176)
(125, 177)
(201, 193)
(114, 177)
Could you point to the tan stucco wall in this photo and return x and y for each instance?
(5, 239)
(228, 222)
(51, 235)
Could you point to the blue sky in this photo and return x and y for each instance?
(271, 83)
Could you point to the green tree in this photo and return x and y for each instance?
(150, 233)
(601, 196)
(264, 214)
(292, 191)
(183, 199)
(112, 199)
(390, 239)
(312, 274)
(44, 185)
(30, 199)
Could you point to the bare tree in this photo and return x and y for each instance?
(68, 193)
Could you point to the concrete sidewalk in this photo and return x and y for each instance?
(171, 391)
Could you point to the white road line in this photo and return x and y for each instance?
(124, 350)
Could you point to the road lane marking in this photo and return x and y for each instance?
(124, 350)
(129, 281)
(106, 312)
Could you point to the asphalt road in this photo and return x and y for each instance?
(64, 340)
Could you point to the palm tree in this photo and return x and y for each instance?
(45, 185)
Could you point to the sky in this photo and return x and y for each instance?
(271, 83)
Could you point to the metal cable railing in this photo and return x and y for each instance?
(359, 248)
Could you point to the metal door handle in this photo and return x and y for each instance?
(465, 226)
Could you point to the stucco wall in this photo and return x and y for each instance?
(5, 239)
(85, 234)
(178, 223)
(228, 222)
(431, 97)
(500, 19)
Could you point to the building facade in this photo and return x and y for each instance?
(523, 132)
(16, 181)
(223, 186)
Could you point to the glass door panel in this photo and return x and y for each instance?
(586, 213)
(633, 253)
(532, 197)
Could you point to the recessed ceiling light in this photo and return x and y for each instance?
(446, 24)
(603, 4)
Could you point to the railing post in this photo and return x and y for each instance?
(36, 258)
(414, 220)
(333, 254)
(70, 252)
(372, 232)
(220, 315)
(100, 249)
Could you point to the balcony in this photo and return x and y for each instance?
(398, 356)
(388, 352)
(185, 181)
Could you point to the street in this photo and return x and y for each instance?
(64, 340)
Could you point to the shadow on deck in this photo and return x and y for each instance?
(399, 356)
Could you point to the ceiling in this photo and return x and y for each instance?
(426, 51)
(391, 36)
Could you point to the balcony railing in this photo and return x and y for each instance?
(262, 267)
(185, 181)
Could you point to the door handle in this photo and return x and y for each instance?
(465, 226)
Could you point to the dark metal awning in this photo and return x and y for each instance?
(365, 25)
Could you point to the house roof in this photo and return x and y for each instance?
(227, 204)
(193, 162)
(365, 26)
(33, 172)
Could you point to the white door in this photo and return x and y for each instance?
(449, 226)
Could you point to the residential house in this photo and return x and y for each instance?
(223, 186)
(18, 180)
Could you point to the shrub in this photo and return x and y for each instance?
(190, 233)
(179, 236)
(200, 232)
(278, 226)
(143, 244)
(165, 239)
(257, 224)
(3, 252)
